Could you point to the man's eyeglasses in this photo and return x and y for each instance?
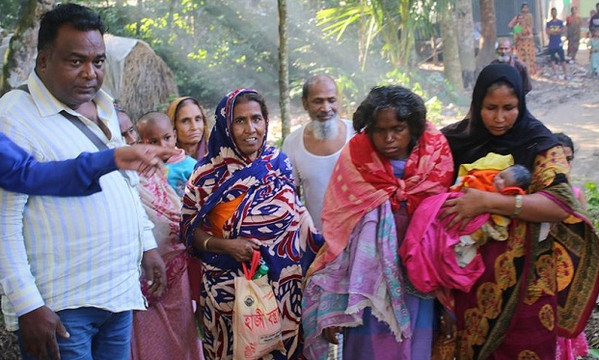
(569, 158)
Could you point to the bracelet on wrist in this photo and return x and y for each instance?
(206, 242)
(517, 206)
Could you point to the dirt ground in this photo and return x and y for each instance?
(571, 107)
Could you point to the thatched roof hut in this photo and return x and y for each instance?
(136, 77)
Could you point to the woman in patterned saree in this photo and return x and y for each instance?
(356, 284)
(241, 198)
(524, 40)
(167, 329)
(541, 281)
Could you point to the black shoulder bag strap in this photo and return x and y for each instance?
(81, 126)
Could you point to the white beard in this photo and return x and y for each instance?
(324, 130)
(503, 58)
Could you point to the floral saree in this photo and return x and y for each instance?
(539, 283)
(270, 211)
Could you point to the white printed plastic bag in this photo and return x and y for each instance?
(256, 317)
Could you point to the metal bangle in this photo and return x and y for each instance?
(517, 206)
(206, 242)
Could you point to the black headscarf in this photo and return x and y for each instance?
(470, 140)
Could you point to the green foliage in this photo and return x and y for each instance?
(592, 197)
(422, 84)
(10, 14)
(214, 47)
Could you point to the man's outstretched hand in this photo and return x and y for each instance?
(145, 159)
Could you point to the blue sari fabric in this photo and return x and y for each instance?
(270, 212)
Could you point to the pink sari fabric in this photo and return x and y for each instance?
(166, 330)
(571, 349)
(427, 251)
(363, 180)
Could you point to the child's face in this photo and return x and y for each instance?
(503, 179)
(160, 133)
(569, 156)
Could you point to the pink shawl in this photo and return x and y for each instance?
(427, 251)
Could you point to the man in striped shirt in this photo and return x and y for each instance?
(70, 266)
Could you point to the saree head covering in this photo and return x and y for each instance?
(470, 140)
(225, 174)
(172, 112)
(269, 211)
(363, 179)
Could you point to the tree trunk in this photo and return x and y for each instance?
(22, 49)
(283, 69)
(451, 57)
(171, 14)
(139, 16)
(488, 34)
(466, 41)
(434, 53)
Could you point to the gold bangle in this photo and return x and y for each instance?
(517, 206)
(206, 242)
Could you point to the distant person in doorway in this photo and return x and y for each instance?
(314, 148)
(574, 22)
(523, 25)
(505, 56)
(554, 29)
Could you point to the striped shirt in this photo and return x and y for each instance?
(68, 252)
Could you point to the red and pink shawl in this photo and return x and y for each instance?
(363, 179)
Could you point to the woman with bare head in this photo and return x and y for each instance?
(356, 285)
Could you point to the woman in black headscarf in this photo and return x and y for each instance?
(542, 280)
